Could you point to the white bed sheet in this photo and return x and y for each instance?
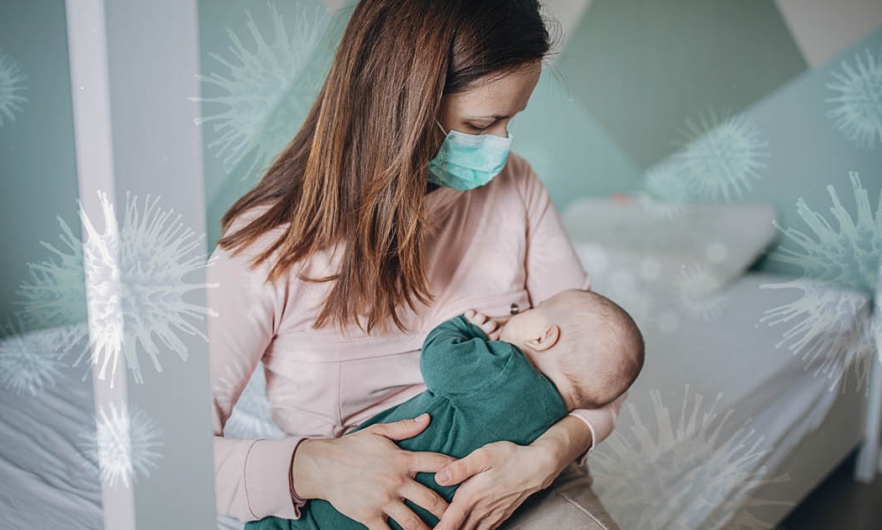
(647, 477)
(655, 472)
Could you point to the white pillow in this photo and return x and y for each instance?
(665, 262)
(725, 238)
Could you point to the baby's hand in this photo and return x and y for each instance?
(490, 325)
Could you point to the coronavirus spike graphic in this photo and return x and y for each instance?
(839, 261)
(123, 445)
(28, 360)
(136, 271)
(268, 90)
(719, 160)
(11, 85)
(681, 471)
(857, 106)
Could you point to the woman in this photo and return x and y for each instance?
(396, 206)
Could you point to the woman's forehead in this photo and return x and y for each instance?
(500, 97)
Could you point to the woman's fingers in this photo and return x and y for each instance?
(378, 524)
(401, 430)
(454, 517)
(426, 462)
(424, 497)
(462, 469)
(405, 517)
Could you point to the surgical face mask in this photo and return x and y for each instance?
(467, 161)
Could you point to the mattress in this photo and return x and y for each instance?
(721, 400)
(724, 397)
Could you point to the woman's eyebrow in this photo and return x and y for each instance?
(495, 116)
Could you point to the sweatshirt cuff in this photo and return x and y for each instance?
(581, 459)
(268, 486)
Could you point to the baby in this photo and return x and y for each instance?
(504, 379)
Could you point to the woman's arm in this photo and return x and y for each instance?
(251, 476)
(364, 475)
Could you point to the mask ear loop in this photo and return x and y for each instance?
(442, 128)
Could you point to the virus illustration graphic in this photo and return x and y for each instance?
(54, 295)
(665, 190)
(268, 91)
(28, 361)
(124, 445)
(721, 160)
(858, 101)
(829, 327)
(135, 271)
(11, 82)
(682, 474)
(697, 292)
(717, 161)
(251, 417)
(845, 255)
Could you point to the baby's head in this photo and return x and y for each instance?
(584, 342)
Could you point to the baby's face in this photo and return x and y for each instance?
(528, 323)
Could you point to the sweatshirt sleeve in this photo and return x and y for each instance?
(552, 265)
(252, 477)
(458, 358)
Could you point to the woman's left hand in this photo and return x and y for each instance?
(495, 479)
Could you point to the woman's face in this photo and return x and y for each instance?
(487, 108)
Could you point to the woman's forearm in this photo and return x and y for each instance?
(565, 441)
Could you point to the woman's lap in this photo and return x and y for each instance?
(569, 503)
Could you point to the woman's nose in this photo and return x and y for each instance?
(500, 129)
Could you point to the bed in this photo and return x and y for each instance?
(725, 428)
(755, 384)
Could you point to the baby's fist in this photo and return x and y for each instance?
(489, 325)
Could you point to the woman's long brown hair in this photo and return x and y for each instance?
(355, 174)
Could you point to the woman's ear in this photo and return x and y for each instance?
(545, 340)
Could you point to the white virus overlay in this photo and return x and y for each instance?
(665, 190)
(11, 84)
(722, 160)
(124, 445)
(825, 324)
(829, 327)
(135, 270)
(252, 414)
(857, 110)
(846, 253)
(269, 89)
(697, 292)
(28, 361)
(54, 294)
(681, 473)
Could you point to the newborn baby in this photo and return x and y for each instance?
(577, 349)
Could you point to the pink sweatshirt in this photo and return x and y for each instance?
(500, 245)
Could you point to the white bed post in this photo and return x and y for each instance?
(143, 140)
(868, 461)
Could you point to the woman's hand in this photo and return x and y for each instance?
(366, 477)
(498, 477)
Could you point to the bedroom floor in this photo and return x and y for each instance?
(839, 502)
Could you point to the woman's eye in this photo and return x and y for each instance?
(476, 128)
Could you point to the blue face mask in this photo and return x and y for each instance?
(467, 161)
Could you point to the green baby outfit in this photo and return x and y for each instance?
(478, 391)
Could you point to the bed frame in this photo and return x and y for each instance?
(846, 427)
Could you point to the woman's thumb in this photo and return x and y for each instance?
(403, 429)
